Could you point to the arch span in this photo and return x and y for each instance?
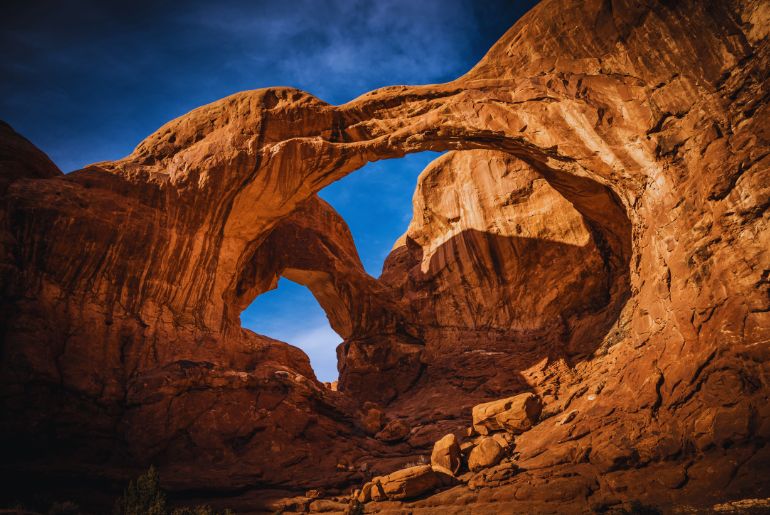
(258, 155)
(573, 287)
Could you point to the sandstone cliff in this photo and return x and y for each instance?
(597, 236)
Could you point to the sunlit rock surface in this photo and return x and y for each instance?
(598, 237)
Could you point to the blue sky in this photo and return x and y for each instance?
(376, 202)
(87, 80)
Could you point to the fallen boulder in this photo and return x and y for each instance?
(513, 414)
(486, 454)
(446, 456)
(504, 439)
(326, 505)
(407, 483)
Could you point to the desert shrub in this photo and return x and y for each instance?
(142, 497)
(16, 506)
(145, 497)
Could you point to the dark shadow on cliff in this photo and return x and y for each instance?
(550, 301)
(489, 305)
(486, 307)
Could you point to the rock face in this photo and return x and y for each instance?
(598, 235)
(394, 431)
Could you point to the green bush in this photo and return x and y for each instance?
(142, 497)
(145, 497)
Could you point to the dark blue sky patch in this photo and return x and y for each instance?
(376, 203)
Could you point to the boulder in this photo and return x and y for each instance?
(467, 447)
(365, 494)
(505, 440)
(513, 414)
(393, 431)
(486, 454)
(371, 491)
(376, 493)
(446, 456)
(326, 506)
(315, 493)
(408, 483)
(291, 504)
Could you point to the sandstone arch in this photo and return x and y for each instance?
(662, 148)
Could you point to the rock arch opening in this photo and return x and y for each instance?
(277, 222)
(291, 313)
(504, 263)
(376, 203)
(520, 259)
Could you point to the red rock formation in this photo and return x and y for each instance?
(599, 238)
